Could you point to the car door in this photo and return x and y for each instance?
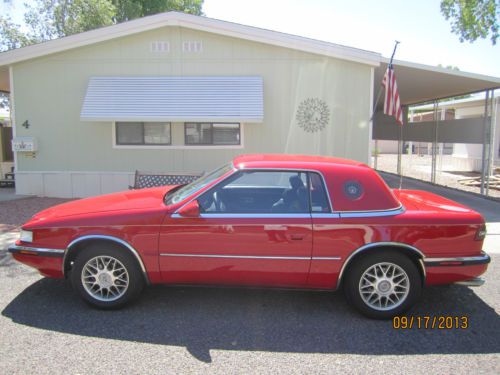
(254, 228)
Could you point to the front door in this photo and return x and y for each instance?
(254, 229)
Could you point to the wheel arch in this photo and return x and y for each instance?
(79, 243)
(415, 255)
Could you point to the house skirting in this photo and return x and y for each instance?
(71, 184)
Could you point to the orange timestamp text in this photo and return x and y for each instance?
(430, 322)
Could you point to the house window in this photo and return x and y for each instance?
(212, 134)
(143, 133)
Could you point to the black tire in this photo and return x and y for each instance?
(352, 285)
(124, 258)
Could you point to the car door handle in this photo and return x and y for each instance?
(297, 237)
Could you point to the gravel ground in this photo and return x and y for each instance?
(16, 212)
(46, 329)
(420, 167)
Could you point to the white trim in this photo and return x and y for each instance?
(78, 172)
(437, 69)
(175, 147)
(196, 23)
(66, 184)
(12, 112)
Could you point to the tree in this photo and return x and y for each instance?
(11, 35)
(50, 19)
(473, 19)
(129, 9)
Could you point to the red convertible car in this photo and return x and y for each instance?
(287, 221)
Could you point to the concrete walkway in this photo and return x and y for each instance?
(490, 209)
(9, 194)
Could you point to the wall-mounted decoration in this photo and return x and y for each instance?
(313, 114)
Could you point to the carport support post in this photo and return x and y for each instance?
(400, 140)
(485, 154)
(434, 142)
(491, 142)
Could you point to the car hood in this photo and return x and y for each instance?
(124, 200)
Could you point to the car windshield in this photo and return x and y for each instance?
(178, 195)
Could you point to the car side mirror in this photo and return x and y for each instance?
(192, 209)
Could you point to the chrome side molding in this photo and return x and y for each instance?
(230, 256)
(375, 213)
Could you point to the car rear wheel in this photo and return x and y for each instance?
(106, 276)
(383, 285)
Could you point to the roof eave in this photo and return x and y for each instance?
(192, 22)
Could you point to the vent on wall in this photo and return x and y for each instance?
(192, 46)
(159, 46)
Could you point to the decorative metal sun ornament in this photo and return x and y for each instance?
(313, 114)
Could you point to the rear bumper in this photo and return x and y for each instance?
(476, 281)
(458, 261)
(464, 270)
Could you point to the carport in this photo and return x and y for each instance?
(421, 84)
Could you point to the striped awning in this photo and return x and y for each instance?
(197, 99)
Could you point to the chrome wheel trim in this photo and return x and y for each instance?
(384, 286)
(105, 278)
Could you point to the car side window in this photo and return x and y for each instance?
(259, 192)
(319, 197)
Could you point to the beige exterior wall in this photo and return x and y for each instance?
(49, 92)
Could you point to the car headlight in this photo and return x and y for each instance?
(26, 236)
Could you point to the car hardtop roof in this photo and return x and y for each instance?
(290, 161)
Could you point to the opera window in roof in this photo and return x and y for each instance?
(217, 134)
(143, 133)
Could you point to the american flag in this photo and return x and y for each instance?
(392, 105)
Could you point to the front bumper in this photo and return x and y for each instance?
(47, 261)
(36, 251)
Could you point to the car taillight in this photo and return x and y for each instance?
(481, 233)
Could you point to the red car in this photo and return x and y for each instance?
(286, 221)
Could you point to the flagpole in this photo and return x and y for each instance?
(400, 154)
(378, 98)
(380, 88)
(400, 138)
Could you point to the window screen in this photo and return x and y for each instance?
(212, 134)
(142, 133)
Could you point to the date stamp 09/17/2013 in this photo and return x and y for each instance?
(439, 322)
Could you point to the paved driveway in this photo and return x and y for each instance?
(46, 329)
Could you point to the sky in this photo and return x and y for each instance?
(372, 25)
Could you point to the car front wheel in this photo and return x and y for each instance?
(106, 276)
(383, 285)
